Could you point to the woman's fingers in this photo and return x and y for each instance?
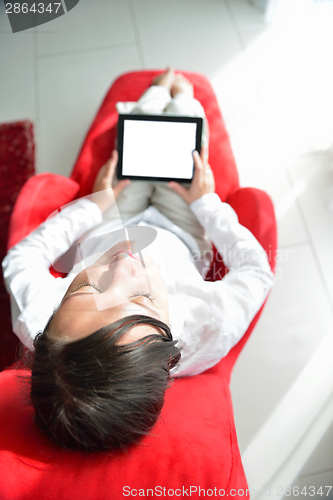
(202, 182)
(120, 186)
(105, 175)
(204, 154)
(110, 173)
(178, 188)
(103, 194)
(111, 168)
(198, 164)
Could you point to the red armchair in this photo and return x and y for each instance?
(194, 444)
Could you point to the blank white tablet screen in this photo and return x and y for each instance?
(158, 149)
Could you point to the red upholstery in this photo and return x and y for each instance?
(17, 164)
(194, 443)
(45, 194)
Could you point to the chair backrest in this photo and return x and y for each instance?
(100, 139)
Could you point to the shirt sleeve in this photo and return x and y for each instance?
(224, 308)
(26, 266)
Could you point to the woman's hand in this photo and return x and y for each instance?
(203, 181)
(103, 194)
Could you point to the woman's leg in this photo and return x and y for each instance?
(176, 209)
(184, 103)
(134, 199)
(154, 100)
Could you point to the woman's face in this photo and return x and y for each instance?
(119, 284)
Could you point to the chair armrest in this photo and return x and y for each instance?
(41, 195)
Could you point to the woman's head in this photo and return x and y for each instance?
(98, 392)
(119, 284)
(105, 389)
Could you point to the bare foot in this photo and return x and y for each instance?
(165, 79)
(181, 85)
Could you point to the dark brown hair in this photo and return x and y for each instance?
(95, 394)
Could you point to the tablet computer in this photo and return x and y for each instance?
(157, 147)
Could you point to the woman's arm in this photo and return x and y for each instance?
(26, 266)
(236, 298)
(224, 308)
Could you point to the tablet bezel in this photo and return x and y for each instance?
(155, 118)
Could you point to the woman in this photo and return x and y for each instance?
(103, 358)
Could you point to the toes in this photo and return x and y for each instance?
(166, 79)
(181, 84)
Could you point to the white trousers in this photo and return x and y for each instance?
(136, 197)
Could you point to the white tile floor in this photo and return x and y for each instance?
(274, 87)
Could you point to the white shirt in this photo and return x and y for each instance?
(208, 318)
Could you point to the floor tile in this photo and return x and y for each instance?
(189, 35)
(275, 182)
(250, 36)
(296, 318)
(247, 15)
(267, 89)
(17, 81)
(316, 486)
(88, 25)
(260, 4)
(289, 223)
(316, 175)
(258, 167)
(71, 90)
(266, 118)
(322, 458)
